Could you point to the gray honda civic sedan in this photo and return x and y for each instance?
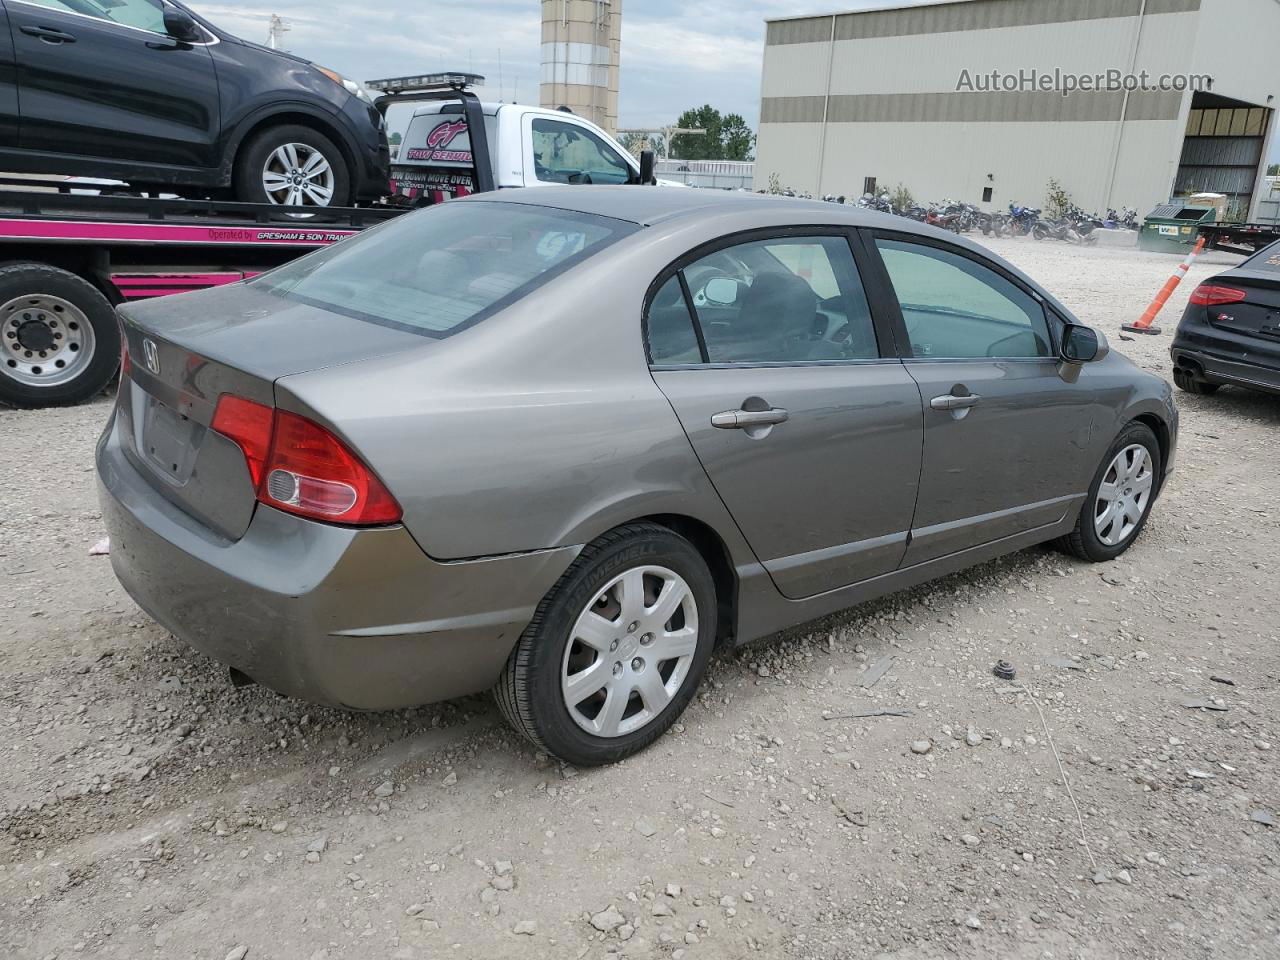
(562, 443)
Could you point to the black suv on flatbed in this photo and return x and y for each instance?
(148, 92)
(1230, 331)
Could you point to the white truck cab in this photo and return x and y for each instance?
(528, 146)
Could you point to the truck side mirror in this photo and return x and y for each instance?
(646, 167)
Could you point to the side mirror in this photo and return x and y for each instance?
(721, 291)
(181, 26)
(1079, 343)
(647, 162)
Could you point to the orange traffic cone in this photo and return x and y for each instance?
(1144, 322)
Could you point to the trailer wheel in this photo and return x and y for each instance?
(292, 165)
(59, 341)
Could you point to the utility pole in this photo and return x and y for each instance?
(276, 31)
(666, 133)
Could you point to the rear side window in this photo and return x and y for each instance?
(954, 307)
(437, 270)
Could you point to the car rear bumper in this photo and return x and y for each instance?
(358, 618)
(1216, 368)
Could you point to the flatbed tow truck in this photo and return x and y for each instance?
(68, 259)
(1243, 238)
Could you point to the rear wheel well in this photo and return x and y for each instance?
(716, 555)
(302, 120)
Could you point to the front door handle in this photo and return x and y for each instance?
(746, 419)
(952, 402)
(48, 34)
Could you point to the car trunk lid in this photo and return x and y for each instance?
(186, 351)
(1258, 313)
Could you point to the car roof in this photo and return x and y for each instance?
(648, 206)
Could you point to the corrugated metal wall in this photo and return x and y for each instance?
(888, 87)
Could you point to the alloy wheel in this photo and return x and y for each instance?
(297, 174)
(1123, 495)
(45, 341)
(630, 651)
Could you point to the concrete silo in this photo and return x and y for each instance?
(581, 44)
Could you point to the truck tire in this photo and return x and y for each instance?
(293, 165)
(59, 339)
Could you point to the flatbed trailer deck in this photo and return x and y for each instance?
(1244, 238)
(67, 259)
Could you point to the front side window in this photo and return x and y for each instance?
(954, 307)
(143, 14)
(568, 153)
(781, 300)
(445, 267)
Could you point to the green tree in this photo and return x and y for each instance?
(727, 137)
(395, 139)
(1273, 170)
(699, 146)
(737, 142)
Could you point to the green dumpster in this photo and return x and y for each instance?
(1171, 227)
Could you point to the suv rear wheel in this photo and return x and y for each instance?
(292, 165)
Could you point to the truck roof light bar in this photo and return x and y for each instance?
(426, 83)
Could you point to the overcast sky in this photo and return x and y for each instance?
(671, 61)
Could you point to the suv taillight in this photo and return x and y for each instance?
(298, 466)
(1209, 295)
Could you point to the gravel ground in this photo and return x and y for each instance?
(149, 809)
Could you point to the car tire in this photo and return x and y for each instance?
(535, 693)
(1188, 381)
(1087, 541)
(301, 143)
(59, 337)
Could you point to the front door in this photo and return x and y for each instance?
(1005, 436)
(809, 432)
(102, 80)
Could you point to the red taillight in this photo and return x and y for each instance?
(248, 424)
(299, 466)
(1209, 295)
(126, 364)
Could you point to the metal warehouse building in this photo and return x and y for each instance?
(849, 98)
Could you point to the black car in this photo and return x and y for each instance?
(147, 92)
(1230, 331)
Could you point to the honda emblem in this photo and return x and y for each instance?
(151, 355)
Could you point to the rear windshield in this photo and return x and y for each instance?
(1268, 258)
(437, 270)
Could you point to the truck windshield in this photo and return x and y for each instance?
(438, 270)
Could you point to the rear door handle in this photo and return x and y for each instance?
(744, 419)
(951, 402)
(48, 34)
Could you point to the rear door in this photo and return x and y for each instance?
(101, 79)
(1004, 434)
(8, 84)
(803, 418)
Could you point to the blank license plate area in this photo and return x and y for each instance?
(170, 440)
